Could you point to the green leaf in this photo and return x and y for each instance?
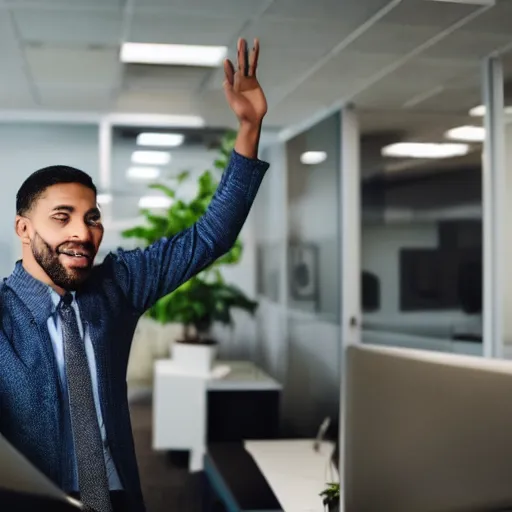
(220, 164)
(163, 188)
(182, 176)
(233, 255)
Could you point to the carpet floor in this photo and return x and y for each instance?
(166, 483)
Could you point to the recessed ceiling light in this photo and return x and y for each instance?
(164, 121)
(155, 202)
(151, 157)
(313, 157)
(425, 150)
(160, 139)
(103, 199)
(142, 173)
(480, 110)
(173, 54)
(467, 133)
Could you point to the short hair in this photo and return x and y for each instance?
(35, 185)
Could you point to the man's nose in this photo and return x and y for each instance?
(80, 231)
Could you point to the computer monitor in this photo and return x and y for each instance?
(23, 488)
(426, 432)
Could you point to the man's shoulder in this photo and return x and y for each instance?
(107, 276)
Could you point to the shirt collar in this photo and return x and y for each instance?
(56, 298)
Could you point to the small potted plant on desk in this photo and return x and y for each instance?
(331, 497)
(207, 297)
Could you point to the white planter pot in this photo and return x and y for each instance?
(194, 358)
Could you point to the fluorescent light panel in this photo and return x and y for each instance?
(160, 139)
(313, 157)
(151, 157)
(142, 173)
(173, 54)
(479, 111)
(467, 133)
(155, 202)
(164, 121)
(425, 150)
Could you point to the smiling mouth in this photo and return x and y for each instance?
(75, 254)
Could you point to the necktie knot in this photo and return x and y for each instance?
(67, 299)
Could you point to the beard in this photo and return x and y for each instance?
(47, 257)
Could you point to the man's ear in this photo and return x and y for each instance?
(21, 227)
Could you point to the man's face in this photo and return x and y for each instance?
(64, 232)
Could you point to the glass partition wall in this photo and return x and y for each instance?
(313, 271)
(422, 255)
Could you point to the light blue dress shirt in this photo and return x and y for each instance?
(55, 330)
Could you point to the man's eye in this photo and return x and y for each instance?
(94, 221)
(61, 217)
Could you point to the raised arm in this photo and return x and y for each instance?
(147, 275)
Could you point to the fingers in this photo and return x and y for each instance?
(253, 59)
(247, 64)
(242, 57)
(229, 72)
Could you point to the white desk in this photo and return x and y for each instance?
(295, 472)
(180, 402)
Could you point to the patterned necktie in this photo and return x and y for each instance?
(92, 473)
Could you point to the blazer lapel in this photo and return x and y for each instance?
(36, 297)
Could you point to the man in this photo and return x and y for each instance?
(67, 326)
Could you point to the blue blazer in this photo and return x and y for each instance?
(116, 294)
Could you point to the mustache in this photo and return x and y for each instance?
(84, 248)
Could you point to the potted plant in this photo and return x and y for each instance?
(206, 298)
(331, 497)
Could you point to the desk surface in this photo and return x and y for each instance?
(225, 375)
(295, 472)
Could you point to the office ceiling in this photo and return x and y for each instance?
(407, 56)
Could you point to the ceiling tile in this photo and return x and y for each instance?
(465, 45)
(287, 113)
(339, 79)
(459, 100)
(393, 38)
(183, 29)
(162, 78)
(61, 66)
(389, 96)
(75, 97)
(16, 96)
(241, 9)
(73, 4)
(352, 67)
(347, 12)
(494, 21)
(278, 69)
(92, 27)
(313, 38)
(6, 29)
(171, 102)
(410, 81)
(418, 13)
